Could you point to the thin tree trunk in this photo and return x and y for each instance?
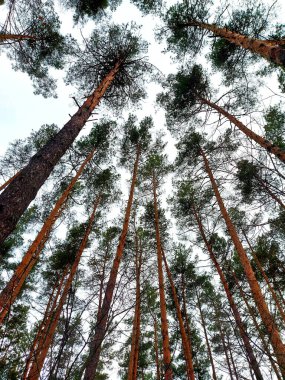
(268, 320)
(133, 362)
(34, 370)
(18, 195)
(271, 148)
(100, 329)
(238, 320)
(13, 287)
(260, 333)
(270, 192)
(232, 359)
(156, 350)
(266, 279)
(9, 181)
(164, 323)
(206, 337)
(270, 51)
(186, 340)
(18, 37)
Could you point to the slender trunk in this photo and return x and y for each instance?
(232, 359)
(34, 371)
(270, 51)
(206, 338)
(13, 287)
(266, 279)
(133, 362)
(9, 181)
(17, 37)
(100, 329)
(18, 195)
(164, 322)
(186, 340)
(260, 333)
(271, 148)
(270, 192)
(268, 320)
(238, 320)
(156, 350)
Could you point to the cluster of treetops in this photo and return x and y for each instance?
(208, 303)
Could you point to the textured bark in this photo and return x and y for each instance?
(158, 377)
(2, 187)
(18, 195)
(268, 320)
(266, 279)
(186, 340)
(13, 287)
(271, 148)
(214, 374)
(101, 325)
(242, 330)
(133, 362)
(260, 333)
(42, 347)
(164, 323)
(270, 51)
(18, 37)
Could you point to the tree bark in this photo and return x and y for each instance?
(17, 37)
(186, 340)
(164, 323)
(2, 187)
(15, 199)
(214, 374)
(100, 329)
(271, 148)
(13, 287)
(270, 51)
(273, 333)
(238, 320)
(158, 377)
(39, 355)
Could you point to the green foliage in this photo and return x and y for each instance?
(275, 126)
(246, 174)
(148, 6)
(85, 9)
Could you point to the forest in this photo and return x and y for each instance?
(142, 190)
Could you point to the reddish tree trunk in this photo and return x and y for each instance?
(157, 364)
(13, 287)
(271, 148)
(186, 340)
(9, 181)
(22, 190)
(241, 327)
(164, 323)
(101, 325)
(17, 37)
(268, 50)
(268, 320)
(43, 345)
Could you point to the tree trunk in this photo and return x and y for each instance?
(186, 340)
(18, 195)
(206, 338)
(13, 287)
(100, 329)
(156, 350)
(270, 192)
(133, 362)
(17, 37)
(268, 320)
(269, 51)
(9, 181)
(164, 322)
(232, 359)
(238, 320)
(266, 279)
(42, 348)
(271, 148)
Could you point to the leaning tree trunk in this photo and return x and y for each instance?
(133, 362)
(270, 192)
(258, 329)
(2, 187)
(186, 340)
(18, 195)
(102, 318)
(268, 320)
(35, 365)
(164, 323)
(16, 37)
(273, 53)
(157, 364)
(271, 148)
(13, 287)
(238, 320)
